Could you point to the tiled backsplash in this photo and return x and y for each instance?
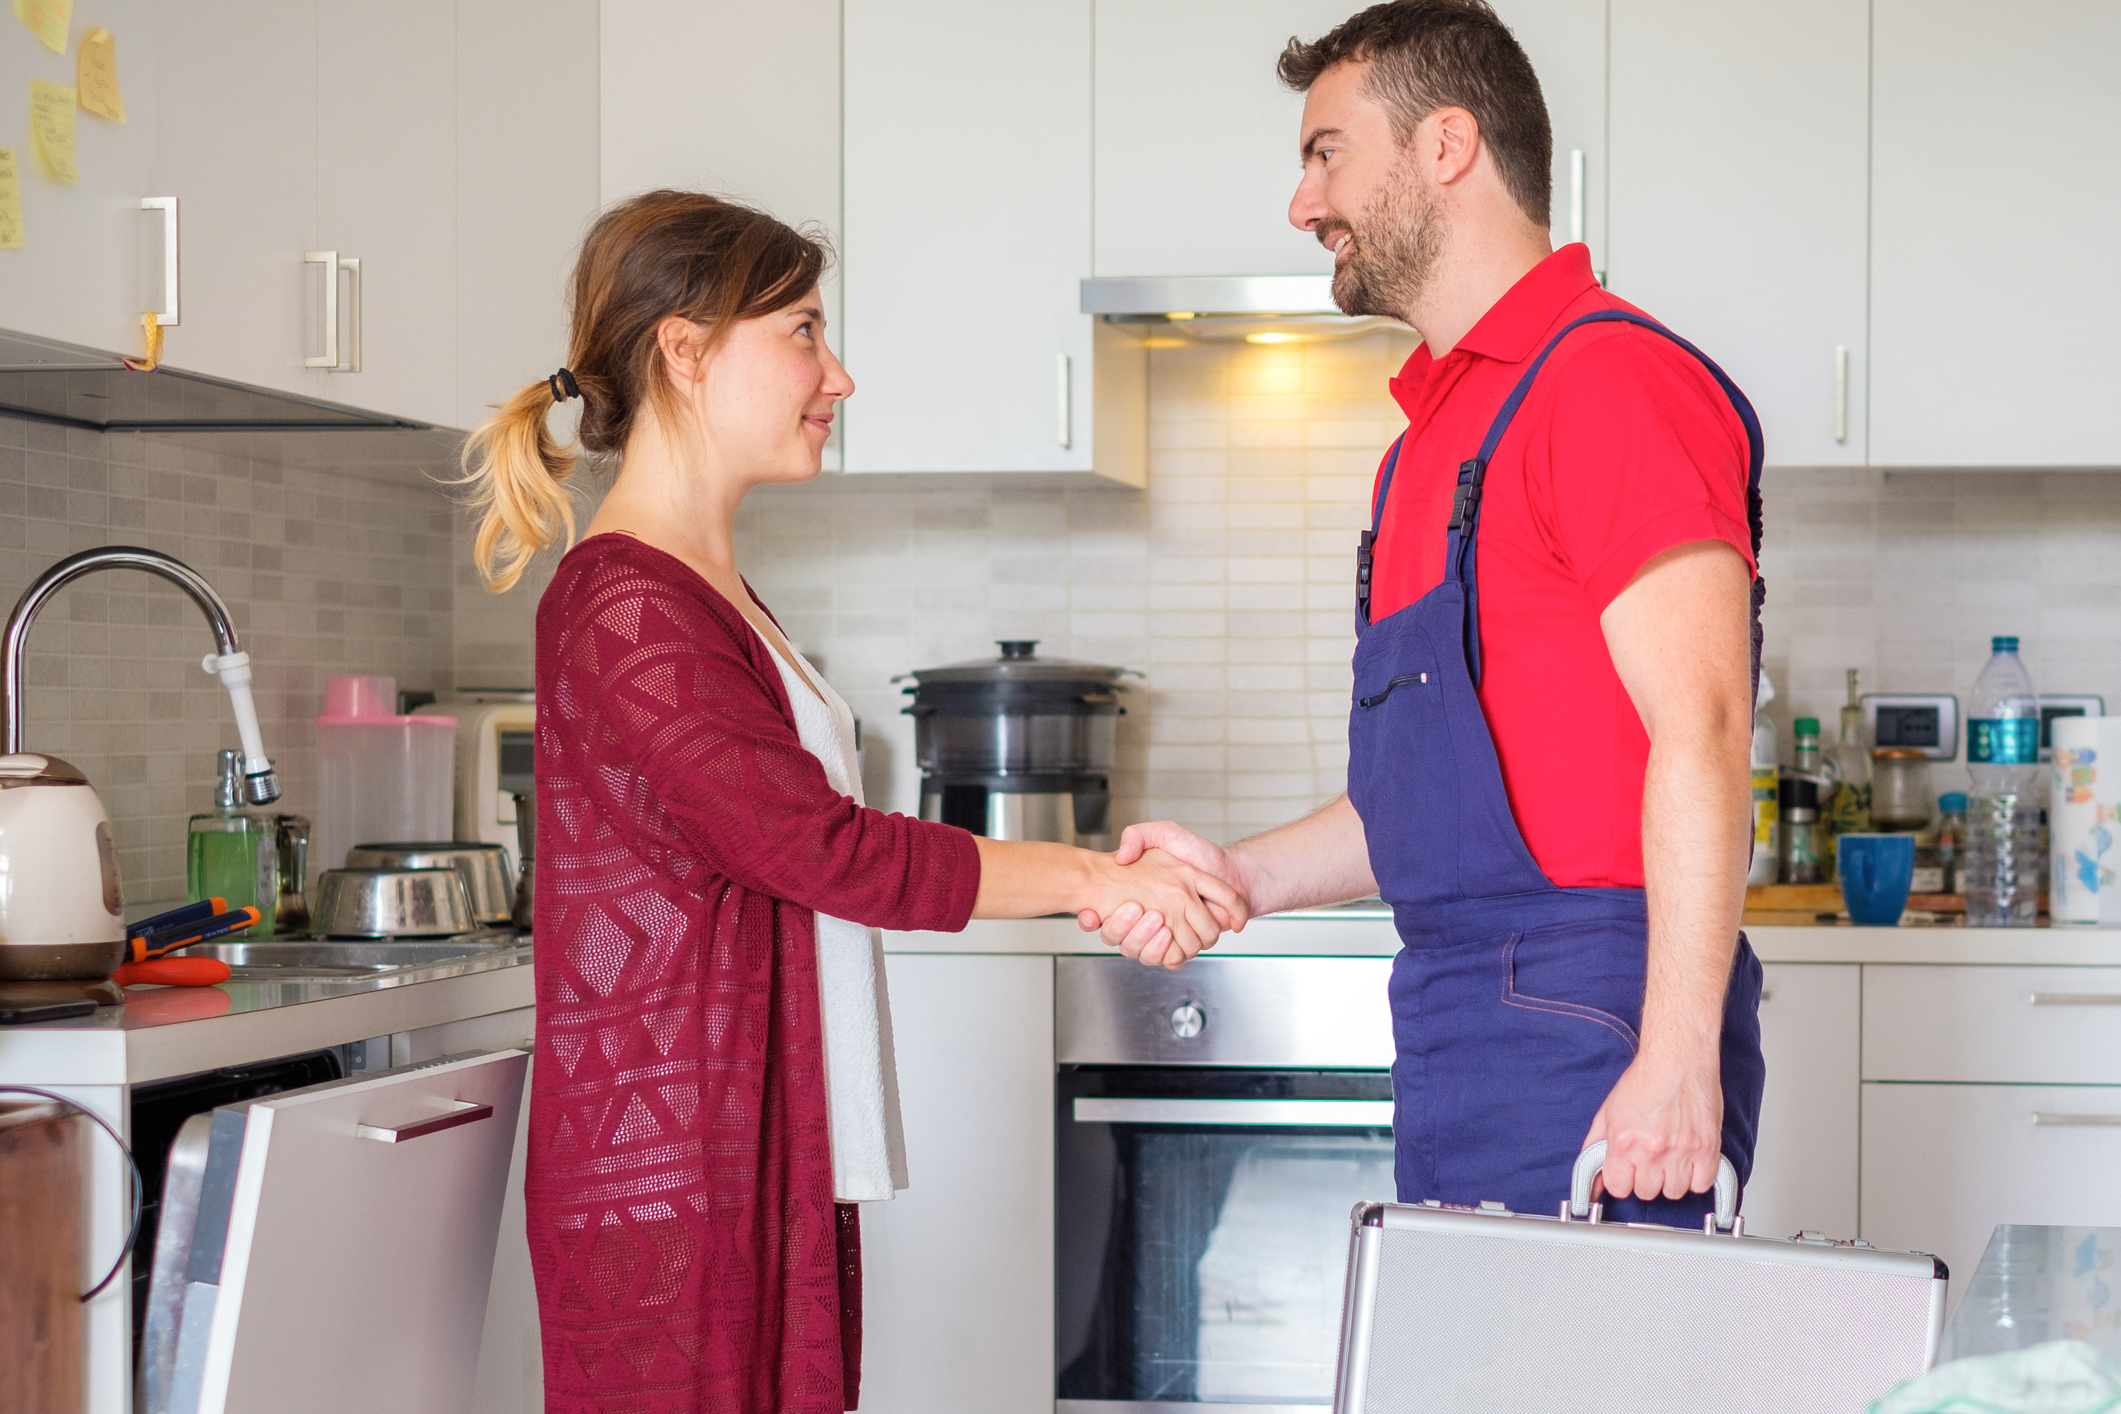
(331, 550)
(1229, 582)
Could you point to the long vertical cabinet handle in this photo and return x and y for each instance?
(1066, 426)
(171, 313)
(1576, 194)
(1841, 393)
(329, 259)
(351, 264)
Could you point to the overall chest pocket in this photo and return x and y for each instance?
(1418, 681)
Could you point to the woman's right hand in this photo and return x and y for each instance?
(1194, 906)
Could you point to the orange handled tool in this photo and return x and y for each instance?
(173, 972)
(153, 945)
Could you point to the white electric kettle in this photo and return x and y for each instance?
(62, 910)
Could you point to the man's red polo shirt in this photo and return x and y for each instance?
(1625, 448)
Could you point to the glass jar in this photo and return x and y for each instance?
(1900, 789)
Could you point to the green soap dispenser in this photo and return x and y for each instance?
(233, 853)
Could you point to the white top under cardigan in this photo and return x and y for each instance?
(861, 1074)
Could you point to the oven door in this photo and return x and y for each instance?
(1202, 1232)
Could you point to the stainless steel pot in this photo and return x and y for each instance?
(484, 867)
(391, 903)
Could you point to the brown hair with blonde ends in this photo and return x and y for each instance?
(659, 255)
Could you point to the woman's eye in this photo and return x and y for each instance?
(803, 328)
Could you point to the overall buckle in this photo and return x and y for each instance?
(1467, 497)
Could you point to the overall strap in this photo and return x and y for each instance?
(1459, 559)
(1365, 558)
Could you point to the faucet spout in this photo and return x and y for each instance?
(230, 663)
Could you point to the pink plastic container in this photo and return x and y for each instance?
(380, 777)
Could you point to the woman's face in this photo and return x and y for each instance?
(767, 395)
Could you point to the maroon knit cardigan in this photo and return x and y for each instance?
(687, 1250)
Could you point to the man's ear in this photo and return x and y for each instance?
(1449, 141)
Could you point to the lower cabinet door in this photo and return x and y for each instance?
(1804, 1163)
(957, 1271)
(1944, 1164)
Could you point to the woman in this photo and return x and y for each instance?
(713, 1065)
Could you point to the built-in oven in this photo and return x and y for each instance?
(1216, 1126)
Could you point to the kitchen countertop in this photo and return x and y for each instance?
(165, 1031)
(1367, 932)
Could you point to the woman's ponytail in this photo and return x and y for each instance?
(518, 476)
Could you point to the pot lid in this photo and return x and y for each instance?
(1019, 662)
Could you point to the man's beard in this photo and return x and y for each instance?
(1397, 239)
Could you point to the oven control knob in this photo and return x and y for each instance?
(1188, 1020)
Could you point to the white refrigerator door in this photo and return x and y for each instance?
(360, 1243)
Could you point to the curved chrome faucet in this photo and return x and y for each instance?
(231, 664)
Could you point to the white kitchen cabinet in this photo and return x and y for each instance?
(237, 145)
(92, 261)
(521, 206)
(958, 1269)
(1993, 290)
(1748, 237)
(1804, 1163)
(1196, 160)
(1943, 1164)
(387, 197)
(2022, 1025)
(968, 232)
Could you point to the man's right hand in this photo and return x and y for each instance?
(1131, 927)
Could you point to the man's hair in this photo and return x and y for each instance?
(1431, 54)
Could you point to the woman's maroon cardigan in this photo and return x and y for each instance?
(687, 1250)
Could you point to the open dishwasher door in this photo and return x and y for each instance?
(333, 1245)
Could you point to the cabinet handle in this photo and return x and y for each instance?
(1841, 393)
(169, 315)
(1576, 194)
(464, 1112)
(2075, 999)
(1306, 1114)
(2044, 1119)
(333, 359)
(1066, 426)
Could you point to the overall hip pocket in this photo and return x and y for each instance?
(1572, 976)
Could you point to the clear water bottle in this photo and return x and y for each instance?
(2004, 863)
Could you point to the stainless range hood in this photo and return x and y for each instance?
(46, 381)
(1263, 309)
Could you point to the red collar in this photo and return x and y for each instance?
(1514, 325)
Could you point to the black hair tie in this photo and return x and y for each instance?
(563, 386)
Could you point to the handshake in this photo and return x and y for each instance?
(1164, 894)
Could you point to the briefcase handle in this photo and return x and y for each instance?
(1591, 1160)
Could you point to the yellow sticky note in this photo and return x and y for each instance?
(48, 20)
(10, 202)
(96, 75)
(51, 128)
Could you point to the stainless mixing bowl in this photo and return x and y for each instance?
(484, 867)
(391, 903)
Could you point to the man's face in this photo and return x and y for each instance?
(1364, 199)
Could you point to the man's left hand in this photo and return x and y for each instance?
(1663, 1127)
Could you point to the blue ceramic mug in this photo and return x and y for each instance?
(1876, 871)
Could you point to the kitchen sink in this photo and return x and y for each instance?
(345, 957)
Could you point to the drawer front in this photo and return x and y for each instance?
(1943, 1165)
(2014, 1025)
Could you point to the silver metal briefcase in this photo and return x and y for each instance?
(1473, 1311)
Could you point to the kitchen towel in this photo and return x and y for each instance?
(2084, 821)
(2060, 1377)
(861, 1074)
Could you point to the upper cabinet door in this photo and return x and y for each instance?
(1746, 234)
(1198, 148)
(1994, 293)
(967, 192)
(1197, 141)
(236, 87)
(387, 198)
(1566, 42)
(91, 261)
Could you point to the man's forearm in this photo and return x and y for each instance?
(1322, 858)
(1696, 831)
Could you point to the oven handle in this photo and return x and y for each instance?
(1307, 1114)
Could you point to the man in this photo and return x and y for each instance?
(1549, 744)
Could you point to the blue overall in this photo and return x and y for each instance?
(1514, 1003)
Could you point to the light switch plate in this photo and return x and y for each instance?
(1927, 721)
(2053, 706)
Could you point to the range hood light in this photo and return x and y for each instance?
(1274, 336)
(1180, 314)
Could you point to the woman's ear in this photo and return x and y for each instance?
(684, 348)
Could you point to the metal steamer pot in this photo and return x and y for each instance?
(1018, 747)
